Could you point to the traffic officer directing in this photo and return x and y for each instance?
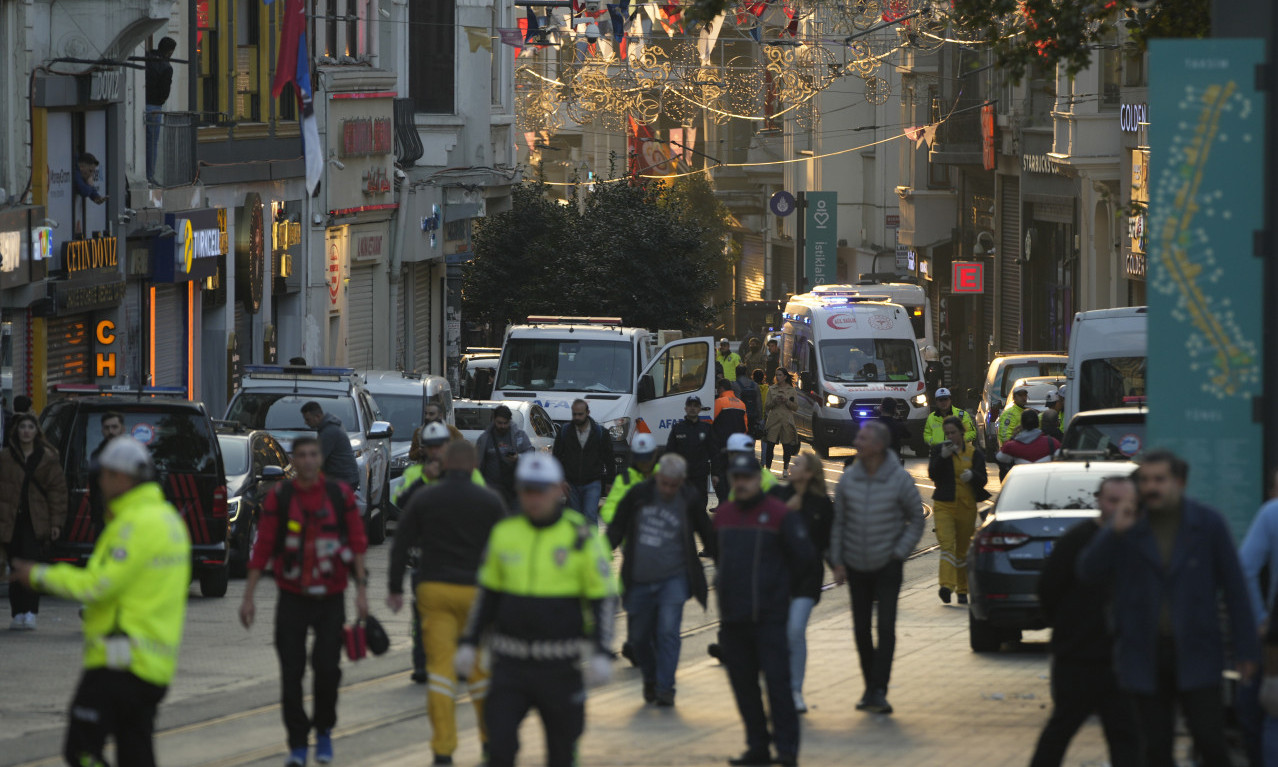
(728, 359)
(1009, 421)
(643, 461)
(545, 584)
(134, 594)
(693, 439)
(449, 523)
(934, 428)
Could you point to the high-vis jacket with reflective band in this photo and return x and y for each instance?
(1008, 422)
(620, 486)
(934, 428)
(135, 584)
(413, 475)
(545, 587)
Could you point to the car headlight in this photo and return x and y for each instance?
(834, 400)
(919, 400)
(617, 428)
(401, 462)
(233, 509)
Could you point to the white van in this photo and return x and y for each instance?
(630, 387)
(1107, 354)
(849, 354)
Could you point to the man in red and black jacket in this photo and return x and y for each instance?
(311, 533)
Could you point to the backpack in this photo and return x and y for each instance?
(284, 502)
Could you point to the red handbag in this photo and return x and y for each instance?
(356, 641)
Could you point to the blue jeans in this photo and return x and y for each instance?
(585, 498)
(796, 631)
(654, 613)
(153, 118)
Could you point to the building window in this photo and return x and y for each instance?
(330, 30)
(495, 61)
(207, 61)
(1133, 66)
(236, 46)
(433, 55)
(248, 83)
(1111, 76)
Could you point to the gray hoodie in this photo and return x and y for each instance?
(877, 518)
(335, 446)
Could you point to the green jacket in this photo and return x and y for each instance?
(934, 429)
(135, 584)
(413, 475)
(620, 487)
(767, 481)
(1008, 422)
(730, 364)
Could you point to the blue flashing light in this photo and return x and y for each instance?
(298, 370)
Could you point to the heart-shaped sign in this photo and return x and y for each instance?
(821, 218)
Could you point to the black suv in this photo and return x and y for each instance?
(188, 463)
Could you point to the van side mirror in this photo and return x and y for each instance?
(271, 473)
(647, 388)
(380, 430)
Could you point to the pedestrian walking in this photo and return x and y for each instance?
(134, 591)
(773, 360)
(433, 412)
(643, 461)
(1083, 679)
(1258, 556)
(1169, 569)
(943, 407)
(1009, 422)
(499, 448)
(754, 357)
(752, 397)
(1030, 445)
(807, 496)
(693, 440)
(335, 447)
(660, 569)
(728, 359)
(310, 533)
(730, 418)
(33, 509)
(449, 523)
(544, 586)
(957, 467)
(763, 548)
(779, 429)
(584, 449)
(890, 415)
(878, 520)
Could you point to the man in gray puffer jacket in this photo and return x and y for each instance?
(878, 520)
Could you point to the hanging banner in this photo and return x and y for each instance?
(1206, 319)
(821, 237)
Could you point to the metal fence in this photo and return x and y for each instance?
(171, 143)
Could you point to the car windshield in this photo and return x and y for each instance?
(1014, 372)
(552, 364)
(1109, 381)
(403, 412)
(180, 441)
(860, 360)
(235, 455)
(473, 418)
(274, 411)
(1115, 439)
(1029, 492)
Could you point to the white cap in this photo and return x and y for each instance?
(724, 341)
(538, 469)
(942, 393)
(435, 433)
(740, 443)
(1053, 396)
(127, 456)
(643, 444)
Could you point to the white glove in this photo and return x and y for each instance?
(464, 660)
(598, 670)
(966, 476)
(948, 449)
(1269, 695)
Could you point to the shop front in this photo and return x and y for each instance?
(1134, 126)
(25, 254)
(173, 301)
(1048, 248)
(76, 337)
(286, 282)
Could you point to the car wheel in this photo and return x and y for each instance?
(214, 580)
(982, 636)
(376, 528)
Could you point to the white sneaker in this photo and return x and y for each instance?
(31, 621)
(799, 705)
(19, 622)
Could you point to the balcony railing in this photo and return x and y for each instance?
(171, 140)
(958, 138)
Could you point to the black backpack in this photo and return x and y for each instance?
(284, 501)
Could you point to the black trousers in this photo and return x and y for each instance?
(1080, 689)
(115, 704)
(881, 587)
(699, 484)
(24, 545)
(555, 689)
(1203, 709)
(295, 617)
(747, 650)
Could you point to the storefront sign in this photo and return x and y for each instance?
(10, 251)
(194, 251)
(42, 243)
(97, 255)
(250, 253)
(988, 160)
(376, 181)
(105, 365)
(1039, 163)
(368, 247)
(968, 277)
(286, 234)
(69, 298)
(105, 85)
(1130, 117)
(820, 237)
(362, 129)
(1135, 266)
(892, 220)
(363, 136)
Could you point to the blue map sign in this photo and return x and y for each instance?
(1205, 300)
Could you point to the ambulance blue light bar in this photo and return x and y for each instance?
(109, 389)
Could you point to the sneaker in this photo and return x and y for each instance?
(945, 595)
(788, 760)
(628, 653)
(962, 599)
(296, 757)
(750, 758)
(19, 622)
(713, 651)
(443, 759)
(863, 702)
(877, 703)
(649, 692)
(665, 699)
(31, 622)
(799, 705)
(324, 747)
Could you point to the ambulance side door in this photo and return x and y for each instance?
(681, 369)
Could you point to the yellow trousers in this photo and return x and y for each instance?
(444, 608)
(955, 523)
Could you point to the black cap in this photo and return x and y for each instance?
(693, 400)
(743, 463)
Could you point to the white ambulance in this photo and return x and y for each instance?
(849, 354)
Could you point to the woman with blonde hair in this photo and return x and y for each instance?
(808, 496)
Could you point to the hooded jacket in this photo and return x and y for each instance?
(1031, 446)
(877, 518)
(335, 445)
(764, 551)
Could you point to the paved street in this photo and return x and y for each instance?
(952, 707)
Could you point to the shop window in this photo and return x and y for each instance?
(433, 56)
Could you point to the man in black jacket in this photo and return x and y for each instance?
(449, 523)
(1083, 681)
(763, 549)
(159, 82)
(585, 451)
(654, 524)
(335, 444)
(693, 439)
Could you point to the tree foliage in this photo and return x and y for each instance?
(644, 252)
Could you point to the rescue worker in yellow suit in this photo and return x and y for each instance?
(449, 521)
(134, 592)
(958, 469)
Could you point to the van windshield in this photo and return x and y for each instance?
(863, 360)
(1108, 381)
(567, 365)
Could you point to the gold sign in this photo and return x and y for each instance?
(98, 254)
(286, 234)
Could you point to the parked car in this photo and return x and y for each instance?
(188, 465)
(1038, 502)
(1112, 434)
(1002, 373)
(254, 462)
(474, 416)
(271, 398)
(1037, 387)
(478, 372)
(402, 397)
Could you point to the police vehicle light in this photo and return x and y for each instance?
(864, 414)
(919, 400)
(834, 400)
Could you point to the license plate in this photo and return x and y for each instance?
(1047, 548)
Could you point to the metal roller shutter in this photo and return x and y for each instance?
(422, 308)
(750, 277)
(359, 317)
(403, 337)
(70, 350)
(170, 331)
(1009, 277)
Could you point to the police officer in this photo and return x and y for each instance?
(693, 439)
(134, 594)
(545, 570)
(1009, 421)
(643, 461)
(933, 429)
